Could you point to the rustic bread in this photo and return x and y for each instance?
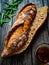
(18, 34)
(36, 24)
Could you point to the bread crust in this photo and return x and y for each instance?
(20, 30)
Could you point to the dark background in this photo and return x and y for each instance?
(42, 36)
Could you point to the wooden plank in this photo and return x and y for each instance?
(45, 3)
(48, 22)
(37, 2)
(27, 57)
(0, 36)
(0, 27)
(5, 26)
(5, 29)
(48, 27)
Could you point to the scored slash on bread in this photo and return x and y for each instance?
(35, 25)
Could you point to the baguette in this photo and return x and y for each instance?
(41, 15)
(18, 34)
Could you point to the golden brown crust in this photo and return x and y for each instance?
(25, 8)
(18, 34)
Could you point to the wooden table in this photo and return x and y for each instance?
(42, 36)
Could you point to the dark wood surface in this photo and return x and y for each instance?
(42, 36)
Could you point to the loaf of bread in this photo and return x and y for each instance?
(28, 21)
